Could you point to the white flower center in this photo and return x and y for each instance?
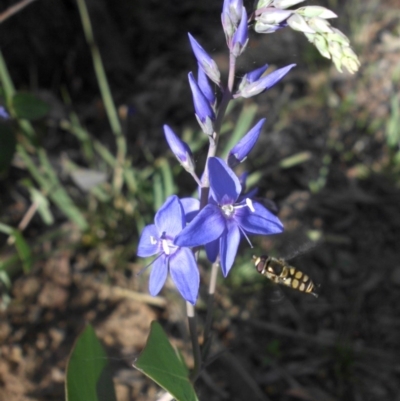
(165, 246)
(229, 210)
(166, 243)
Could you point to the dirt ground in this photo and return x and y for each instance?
(343, 345)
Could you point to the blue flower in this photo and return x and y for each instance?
(158, 239)
(221, 223)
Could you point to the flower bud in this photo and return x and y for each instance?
(251, 77)
(263, 3)
(240, 151)
(298, 23)
(274, 16)
(232, 9)
(319, 25)
(286, 3)
(316, 11)
(201, 104)
(180, 149)
(205, 87)
(240, 37)
(206, 62)
(264, 82)
(320, 43)
(259, 27)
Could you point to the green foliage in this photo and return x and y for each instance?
(393, 123)
(242, 125)
(29, 107)
(88, 376)
(23, 249)
(161, 363)
(8, 144)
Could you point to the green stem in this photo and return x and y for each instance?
(191, 314)
(106, 96)
(210, 301)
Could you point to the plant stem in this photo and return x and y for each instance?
(210, 301)
(14, 9)
(191, 314)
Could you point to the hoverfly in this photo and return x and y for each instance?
(280, 272)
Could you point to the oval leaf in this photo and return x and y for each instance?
(161, 363)
(88, 376)
(28, 106)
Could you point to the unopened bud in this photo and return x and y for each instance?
(274, 16)
(286, 3)
(316, 11)
(319, 25)
(298, 23)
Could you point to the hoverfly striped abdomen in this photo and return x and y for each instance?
(280, 272)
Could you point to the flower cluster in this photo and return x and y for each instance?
(272, 15)
(219, 226)
(225, 213)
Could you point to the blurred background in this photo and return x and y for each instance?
(84, 166)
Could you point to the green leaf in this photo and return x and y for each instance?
(23, 249)
(88, 376)
(241, 127)
(28, 106)
(43, 206)
(161, 363)
(8, 144)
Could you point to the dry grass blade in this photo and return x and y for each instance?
(14, 9)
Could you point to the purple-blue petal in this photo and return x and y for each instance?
(256, 74)
(4, 114)
(158, 275)
(251, 194)
(232, 9)
(229, 246)
(170, 218)
(185, 274)
(241, 35)
(146, 246)
(261, 221)
(207, 226)
(225, 185)
(207, 63)
(240, 151)
(191, 207)
(200, 54)
(201, 104)
(212, 250)
(205, 86)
